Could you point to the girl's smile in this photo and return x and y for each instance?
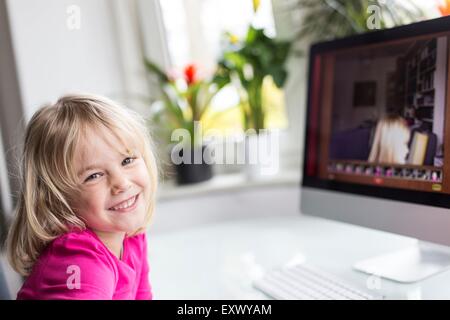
(127, 205)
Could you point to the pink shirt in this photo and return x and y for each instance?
(78, 265)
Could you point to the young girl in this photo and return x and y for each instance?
(89, 179)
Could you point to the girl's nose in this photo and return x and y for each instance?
(119, 185)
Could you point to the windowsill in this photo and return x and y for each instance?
(169, 190)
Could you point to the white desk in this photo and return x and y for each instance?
(217, 260)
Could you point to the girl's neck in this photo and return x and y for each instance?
(113, 241)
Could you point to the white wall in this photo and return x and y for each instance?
(52, 59)
(11, 124)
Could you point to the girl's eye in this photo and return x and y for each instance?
(127, 161)
(92, 177)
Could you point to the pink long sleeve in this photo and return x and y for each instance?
(78, 265)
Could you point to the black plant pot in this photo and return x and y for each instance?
(193, 172)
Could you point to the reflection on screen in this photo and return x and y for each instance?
(386, 114)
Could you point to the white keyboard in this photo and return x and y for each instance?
(305, 282)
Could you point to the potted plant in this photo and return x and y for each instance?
(246, 64)
(178, 116)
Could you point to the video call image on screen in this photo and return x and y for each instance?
(383, 114)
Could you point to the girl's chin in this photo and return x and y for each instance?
(131, 226)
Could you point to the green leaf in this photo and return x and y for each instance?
(279, 76)
(252, 35)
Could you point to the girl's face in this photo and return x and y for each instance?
(113, 184)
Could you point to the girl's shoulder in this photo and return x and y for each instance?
(77, 260)
(82, 249)
(85, 247)
(78, 240)
(78, 248)
(85, 243)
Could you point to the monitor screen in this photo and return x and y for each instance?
(377, 121)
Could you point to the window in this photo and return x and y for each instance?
(195, 29)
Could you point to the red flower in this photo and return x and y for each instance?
(190, 74)
(444, 8)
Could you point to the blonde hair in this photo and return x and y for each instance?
(48, 177)
(391, 133)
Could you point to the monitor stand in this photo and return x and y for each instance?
(409, 265)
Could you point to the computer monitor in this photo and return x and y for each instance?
(377, 140)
